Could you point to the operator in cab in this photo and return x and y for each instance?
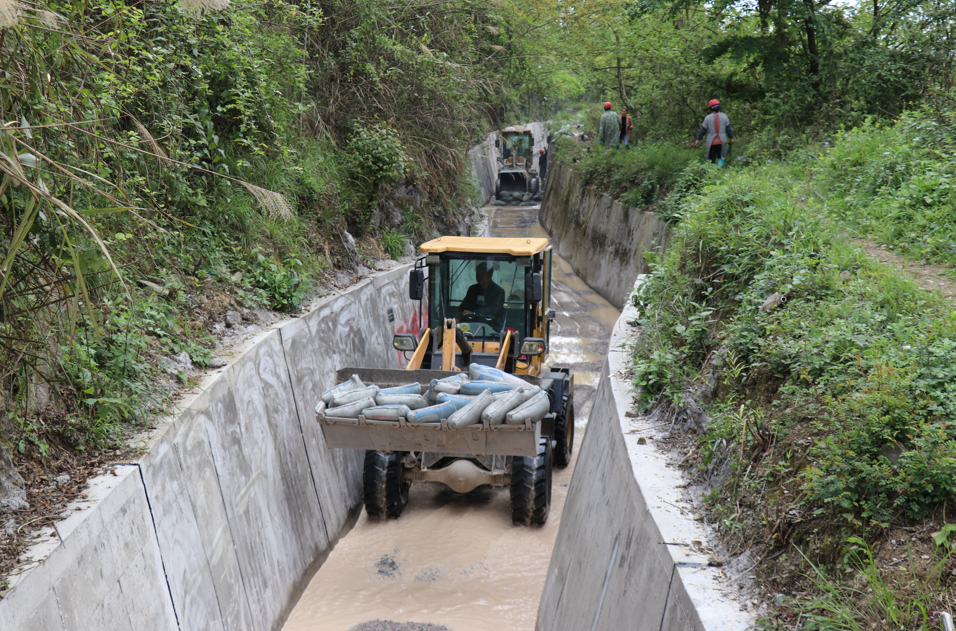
(485, 298)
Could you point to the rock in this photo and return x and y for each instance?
(10, 528)
(698, 517)
(527, 197)
(641, 441)
(349, 242)
(236, 277)
(13, 495)
(233, 318)
(173, 366)
(61, 479)
(385, 264)
(217, 362)
(695, 414)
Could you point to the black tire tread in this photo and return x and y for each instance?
(383, 490)
(564, 437)
(531, 486)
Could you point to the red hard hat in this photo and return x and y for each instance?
(540, 150)
(608, 104)
(713, 102)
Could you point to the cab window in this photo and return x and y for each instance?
(484, 295)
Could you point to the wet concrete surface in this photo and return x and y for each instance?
(455, 562)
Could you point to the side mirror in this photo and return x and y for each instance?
(416, 284)
(532, 283)
(405, 342)
(532, 346)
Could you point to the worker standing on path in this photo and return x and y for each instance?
(609, 129)
(716, 126)
(627, 124)
(543, 164)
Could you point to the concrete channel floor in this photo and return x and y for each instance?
(456, 561)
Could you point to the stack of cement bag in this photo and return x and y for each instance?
(518, 199)
(482, 395)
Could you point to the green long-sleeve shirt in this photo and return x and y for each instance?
(609, 130)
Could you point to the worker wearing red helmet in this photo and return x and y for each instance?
(609, 128)
(716, 127)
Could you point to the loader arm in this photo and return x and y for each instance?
(416, 361)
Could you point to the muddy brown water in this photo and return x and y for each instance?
(453, 560)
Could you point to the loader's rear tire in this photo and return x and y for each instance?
(385, 492)
(531, 486)
(564, 438)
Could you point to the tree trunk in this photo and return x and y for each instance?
(620, 77)
(812, 48)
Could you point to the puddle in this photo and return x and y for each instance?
(571, 350)
(607, 316)
(586, 379)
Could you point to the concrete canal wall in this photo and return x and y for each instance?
(626, 555)
(602, 240)
(237, 502)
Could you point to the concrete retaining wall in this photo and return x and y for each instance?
(603, 241)
(237, 502)
(626, 556)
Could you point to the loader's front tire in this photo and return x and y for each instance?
(531, 486)
(564, 438)
(385, 492)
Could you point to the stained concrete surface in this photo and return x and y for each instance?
(601, 239)
(237, 501)
(626, 555)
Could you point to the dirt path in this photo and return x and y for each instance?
(930, 277)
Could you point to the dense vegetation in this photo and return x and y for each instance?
(162, 162)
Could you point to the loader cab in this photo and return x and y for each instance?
(488, 302)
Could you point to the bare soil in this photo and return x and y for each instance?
(930, 277)
(52, 481)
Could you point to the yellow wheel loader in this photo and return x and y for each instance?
(485, 348)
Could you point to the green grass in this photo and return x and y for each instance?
(640, 176)
(835, 405)
(896, 183)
